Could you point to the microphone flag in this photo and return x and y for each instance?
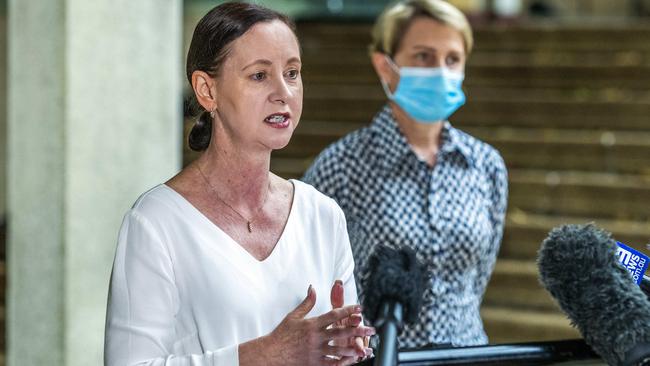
(634, 261)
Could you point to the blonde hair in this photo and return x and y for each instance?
(391, 25)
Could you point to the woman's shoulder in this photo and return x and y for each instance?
(312, 200)
(347, 147)
(481, 152)
(308, 193)
(157, 203)
(343, 158)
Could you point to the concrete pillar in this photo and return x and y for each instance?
(94, 119)
(3, 109)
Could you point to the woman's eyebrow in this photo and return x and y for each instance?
(434, 50)
(428, 48)
(259, 61)
(294, 60)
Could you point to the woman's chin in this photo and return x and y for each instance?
(281, 140)
(279, 146)
(278, 143)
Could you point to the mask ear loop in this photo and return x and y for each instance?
(384, 84)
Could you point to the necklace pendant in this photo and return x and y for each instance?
(250, 227)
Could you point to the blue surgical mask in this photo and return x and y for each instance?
(427, 94)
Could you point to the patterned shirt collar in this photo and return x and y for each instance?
(394, 147)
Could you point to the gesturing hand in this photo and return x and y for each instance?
(300, 341)
(360, 344)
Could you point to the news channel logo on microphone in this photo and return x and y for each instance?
(634, 261)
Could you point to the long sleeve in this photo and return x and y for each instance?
(344, 262)
(143, 302)
(498, 180)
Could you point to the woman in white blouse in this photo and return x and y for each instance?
(227, 263)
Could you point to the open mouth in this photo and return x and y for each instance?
(278, 119)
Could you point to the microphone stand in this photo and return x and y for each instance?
(389, 322)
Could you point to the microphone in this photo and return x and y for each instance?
(578, 265)
(645, 286)
(394, 281)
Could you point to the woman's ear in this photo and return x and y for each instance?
(383, 69)
(204, 89)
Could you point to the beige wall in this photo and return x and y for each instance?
(3, 108)
(94, 120)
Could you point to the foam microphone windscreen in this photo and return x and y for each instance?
(394, 274)
(579, 267)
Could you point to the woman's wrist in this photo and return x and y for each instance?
(256, 352)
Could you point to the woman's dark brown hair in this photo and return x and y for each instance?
(211, 44)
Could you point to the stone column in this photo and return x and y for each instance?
(3, 108)
(94, 119)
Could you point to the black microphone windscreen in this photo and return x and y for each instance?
(579, 267)
(396, 274)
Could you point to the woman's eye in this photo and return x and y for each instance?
(421, 56)
(258, 76)
(452, 60)
(293, 74)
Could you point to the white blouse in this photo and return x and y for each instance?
(183, 292)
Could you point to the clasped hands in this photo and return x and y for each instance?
(336, 338)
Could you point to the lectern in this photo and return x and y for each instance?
(565, 353)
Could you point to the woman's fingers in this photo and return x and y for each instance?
(335, 315)
(343, 361)
(342, 328)
(353, 320)
(341, 351)
(360, 331)
(338, 333)
(336, 295)
(337, 299)
(306, 305)
(359, 345)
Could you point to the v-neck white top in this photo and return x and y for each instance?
(183, 292)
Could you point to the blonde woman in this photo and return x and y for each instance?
(411, 178)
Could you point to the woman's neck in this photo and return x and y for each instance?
(240, 177)
(424, 138)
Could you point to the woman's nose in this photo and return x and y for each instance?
(281, 92)
(438, 62)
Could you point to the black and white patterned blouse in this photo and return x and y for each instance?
(452, 215)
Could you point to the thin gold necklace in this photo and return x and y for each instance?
(249, 222)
